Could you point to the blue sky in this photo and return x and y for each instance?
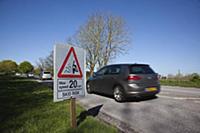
(164, 33)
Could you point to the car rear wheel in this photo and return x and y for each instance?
(88, 87)
(118, 94)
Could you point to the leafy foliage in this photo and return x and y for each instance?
(8, 67)
(25, 67)
(37, 71)
(195, 77)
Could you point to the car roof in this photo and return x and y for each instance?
(134, 64)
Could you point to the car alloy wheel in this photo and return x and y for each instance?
(88, 88)
(118, 94)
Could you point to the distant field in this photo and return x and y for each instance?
(27, 107)
(181, 83)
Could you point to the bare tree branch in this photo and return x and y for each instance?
(104, 37)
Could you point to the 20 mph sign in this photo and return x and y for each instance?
(69, 72)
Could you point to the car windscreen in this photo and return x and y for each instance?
(47, 73)
(143, 69)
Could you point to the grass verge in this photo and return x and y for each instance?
(27, 106)
(181, 83)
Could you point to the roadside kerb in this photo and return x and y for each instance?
(102, 116)
(105, 117)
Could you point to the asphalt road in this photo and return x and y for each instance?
(175, 110)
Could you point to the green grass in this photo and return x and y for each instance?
(28, 107)
(181, 83)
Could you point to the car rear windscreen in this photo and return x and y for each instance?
(47, 73)
(143, 69)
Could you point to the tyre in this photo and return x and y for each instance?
(88, 87)
(118, 94)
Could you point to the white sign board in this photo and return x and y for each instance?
(69, 72)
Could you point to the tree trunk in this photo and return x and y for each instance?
(105, 61)
(91, 70)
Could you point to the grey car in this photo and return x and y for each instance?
(124, 80)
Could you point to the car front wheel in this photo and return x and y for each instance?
(118, 94)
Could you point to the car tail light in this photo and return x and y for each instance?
(157, 77)
(134, 77)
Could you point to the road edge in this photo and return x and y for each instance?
(182, 87)
(120, 125)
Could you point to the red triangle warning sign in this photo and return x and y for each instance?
(70, 67)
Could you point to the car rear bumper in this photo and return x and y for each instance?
(142, 92)
(46, 78)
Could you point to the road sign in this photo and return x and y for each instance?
(70, 67)
(69, 72)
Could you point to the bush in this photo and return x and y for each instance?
(195, 77)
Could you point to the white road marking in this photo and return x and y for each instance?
(180, 98)
(197, 101)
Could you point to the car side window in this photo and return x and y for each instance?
(102, 71)
(114, 70)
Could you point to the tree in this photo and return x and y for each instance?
(37, 71)
(195, 77)
(103, 37)
(8, 66)
(46, 63)
(41, 64)
(25, 67)
(49, 62)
